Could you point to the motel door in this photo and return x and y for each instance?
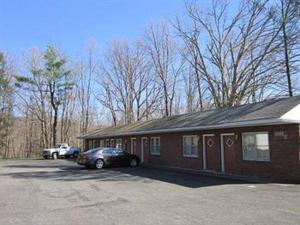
(229, 153)
(133, 146)
(144, 149)
(210, 147)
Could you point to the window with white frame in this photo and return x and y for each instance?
(256, 146)
(190, 145)
(119, 143)
(155, 146)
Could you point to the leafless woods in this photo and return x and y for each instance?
(223, 55)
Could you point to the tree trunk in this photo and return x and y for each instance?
(287, 59)
(55, 110)
(54, 126)
(199, 89)
(166, 101)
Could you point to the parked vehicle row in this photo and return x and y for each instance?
(94, 158)
(61, 150)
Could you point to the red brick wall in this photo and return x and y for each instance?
(284, 163)
(284, 154)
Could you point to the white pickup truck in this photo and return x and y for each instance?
(60, 150)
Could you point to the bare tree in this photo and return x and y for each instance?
(289, 19)
(190, 83)
(236, 50)
(6, 105)
(166, 61)
(118, 76)
(146, 91)
(128, 87)
(67, 112)
(106, 99)
(86, 75)
(192, 54)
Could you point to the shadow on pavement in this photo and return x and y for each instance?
(67, 171)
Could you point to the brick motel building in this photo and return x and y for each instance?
(259, 139)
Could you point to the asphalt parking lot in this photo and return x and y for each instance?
(60, 192)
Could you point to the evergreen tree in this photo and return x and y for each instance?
(55, 82)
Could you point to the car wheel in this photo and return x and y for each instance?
(75, 155)
(133, 162)
(99, 164)
(45, 157)
(54, 155)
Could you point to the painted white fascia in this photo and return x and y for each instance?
(292, 115)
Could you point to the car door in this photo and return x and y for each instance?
(121, 158)
(108, 156)
(63, 150)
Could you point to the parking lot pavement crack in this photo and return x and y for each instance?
(95, 187)
(99, 204)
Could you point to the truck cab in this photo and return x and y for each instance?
(61, 150)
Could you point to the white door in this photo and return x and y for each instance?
(63, 150)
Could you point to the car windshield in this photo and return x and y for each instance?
(118, 151)
(94, 150)
(107, 151)
(57, 146)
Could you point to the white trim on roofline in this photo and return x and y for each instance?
(293, 114)
(258, 122)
